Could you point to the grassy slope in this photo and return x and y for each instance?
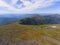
(17, 34)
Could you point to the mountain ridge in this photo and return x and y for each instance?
(38, 19)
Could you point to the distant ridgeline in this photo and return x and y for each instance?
(9, 18)
(4, 20)
(38, 19)
(30, 19)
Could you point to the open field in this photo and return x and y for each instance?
(17, 34)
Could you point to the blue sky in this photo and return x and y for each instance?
(24, 7)
(50, 9)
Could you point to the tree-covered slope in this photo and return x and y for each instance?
(38, 20)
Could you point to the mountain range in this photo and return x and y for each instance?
(30, 19)
(9, 18)
(38, 19)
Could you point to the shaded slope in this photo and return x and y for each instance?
(34, 20)
(39, 20)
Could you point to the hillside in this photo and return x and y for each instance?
(18, 34)
(39, 20)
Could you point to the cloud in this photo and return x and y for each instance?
(11, 7)
(57, 0)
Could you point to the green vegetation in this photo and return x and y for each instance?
(39, 20)
(18, 34)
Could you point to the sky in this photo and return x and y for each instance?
(29, 6)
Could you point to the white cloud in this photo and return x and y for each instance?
(57, 0)
(29, 6)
